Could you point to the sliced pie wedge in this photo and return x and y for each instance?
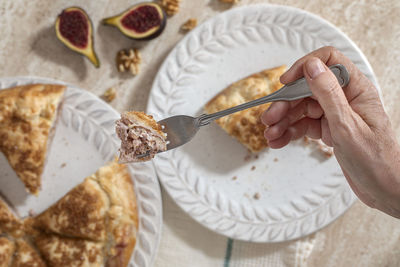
(9, 223)
(102, 210)
(245, 125)
(27, 116)
(80, 213)
(71, 252)
(26, 256)
(7, 248)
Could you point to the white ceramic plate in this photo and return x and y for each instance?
(299, 190)
(84, 141)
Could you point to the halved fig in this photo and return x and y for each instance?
(143, 21)
(74, 29)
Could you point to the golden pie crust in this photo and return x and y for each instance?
(26, 256)
(27, 115)
(7, 249)
(94, 224)
(147, 120)
(100, 211)
(245, 125)
(9, 223)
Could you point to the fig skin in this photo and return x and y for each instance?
(151, 33)
(85, 49)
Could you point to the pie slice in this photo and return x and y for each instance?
(7, 248)
(9, 223)
(80, 213)
(140, 134)
(26, 256)
(27, 116)
(70, 252)
(245, 125)
(101, 211)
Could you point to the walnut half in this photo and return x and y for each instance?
(230, 1)
(109, 95)
(129, 61)
(171, 7)
(189, 25)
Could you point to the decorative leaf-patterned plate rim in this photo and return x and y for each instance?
(266, 202)
(87, 121)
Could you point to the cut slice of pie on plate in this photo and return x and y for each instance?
(9, 223)
(7, 249)
(245, 125)
(99, 217)
(26, 255)
(27, 118)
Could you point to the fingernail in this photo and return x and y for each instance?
(314, 67)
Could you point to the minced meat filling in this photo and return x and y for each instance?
(137, 140)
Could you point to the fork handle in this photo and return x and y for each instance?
(291, 91)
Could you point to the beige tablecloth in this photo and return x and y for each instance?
(361, 237)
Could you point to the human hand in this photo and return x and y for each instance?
(351, 120)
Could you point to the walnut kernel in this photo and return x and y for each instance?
(190, 24)
(171, 7)
(129, 61)
(230, 1)
(109, 95)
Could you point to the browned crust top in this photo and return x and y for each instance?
(27, 114)
(147, 120)
(102, 211)
(245, 125)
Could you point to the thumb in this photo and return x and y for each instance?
(326, 89)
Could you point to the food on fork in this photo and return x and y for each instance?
(140, 134)
(245, 125)
(27, 118)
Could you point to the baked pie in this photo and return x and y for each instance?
(14, 250)
(27, 118)
(7, 249)
(26, 255)
(94, 224)
(245, 125)
(140, 134)
(66, 251)
(9, 223)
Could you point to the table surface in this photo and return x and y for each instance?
(361, 237)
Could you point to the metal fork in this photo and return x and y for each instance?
(181, 129)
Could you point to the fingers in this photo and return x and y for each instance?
(281, 115)
(305, 126)
(308, 107)
(328, 55)
(327, 91)
(280, 142)
(277, 111)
